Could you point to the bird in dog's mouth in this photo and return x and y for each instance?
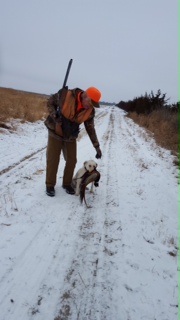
(88, 177)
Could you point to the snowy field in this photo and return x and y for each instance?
(115, 261)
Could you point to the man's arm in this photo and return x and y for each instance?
(90, 128)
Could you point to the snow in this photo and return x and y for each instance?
(116, 260)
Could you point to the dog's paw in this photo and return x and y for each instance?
(77, 193)
(96, 184)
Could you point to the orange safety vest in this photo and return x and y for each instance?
(69, 109)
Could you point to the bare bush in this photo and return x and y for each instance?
(145, 104)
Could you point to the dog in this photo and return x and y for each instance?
(88, 167)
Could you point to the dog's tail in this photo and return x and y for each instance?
(87, 178)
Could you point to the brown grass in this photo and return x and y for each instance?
(27, 106)
(164, 125)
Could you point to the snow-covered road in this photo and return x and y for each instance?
(115, 261)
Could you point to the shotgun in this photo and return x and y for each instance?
(64, 85)
(67, 73)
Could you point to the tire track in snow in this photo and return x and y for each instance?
(87, 286)
(111, 225)
(28, 157)
(46, 277)
(43, 278)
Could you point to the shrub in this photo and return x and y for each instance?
(144, 104)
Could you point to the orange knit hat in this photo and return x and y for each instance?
(95, 96)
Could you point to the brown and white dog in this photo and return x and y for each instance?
(84, 176)
(88, 167)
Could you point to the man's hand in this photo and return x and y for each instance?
(99, 153)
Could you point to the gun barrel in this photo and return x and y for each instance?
(67, 72)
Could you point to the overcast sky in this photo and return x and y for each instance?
(123, 47)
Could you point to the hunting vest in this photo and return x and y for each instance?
(68, 109)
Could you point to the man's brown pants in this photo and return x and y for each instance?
(54, 148)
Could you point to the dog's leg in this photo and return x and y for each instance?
(78, 182)
(92, 184)
(73, 183)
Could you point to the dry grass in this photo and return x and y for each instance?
(23, 105)
(164, 125)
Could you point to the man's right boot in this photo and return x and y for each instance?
(69, 189)
(50, 191)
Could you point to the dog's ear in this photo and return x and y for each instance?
(85, 162)
(96, 165)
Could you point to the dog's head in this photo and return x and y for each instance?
(90, 165)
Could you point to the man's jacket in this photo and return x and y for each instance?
(62, 108)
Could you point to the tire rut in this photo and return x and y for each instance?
(20, 161)
(87, 285)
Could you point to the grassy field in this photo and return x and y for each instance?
(164, 126)
(27, 106)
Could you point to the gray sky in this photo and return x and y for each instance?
(123, 47)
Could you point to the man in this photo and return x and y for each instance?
(67, 110)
